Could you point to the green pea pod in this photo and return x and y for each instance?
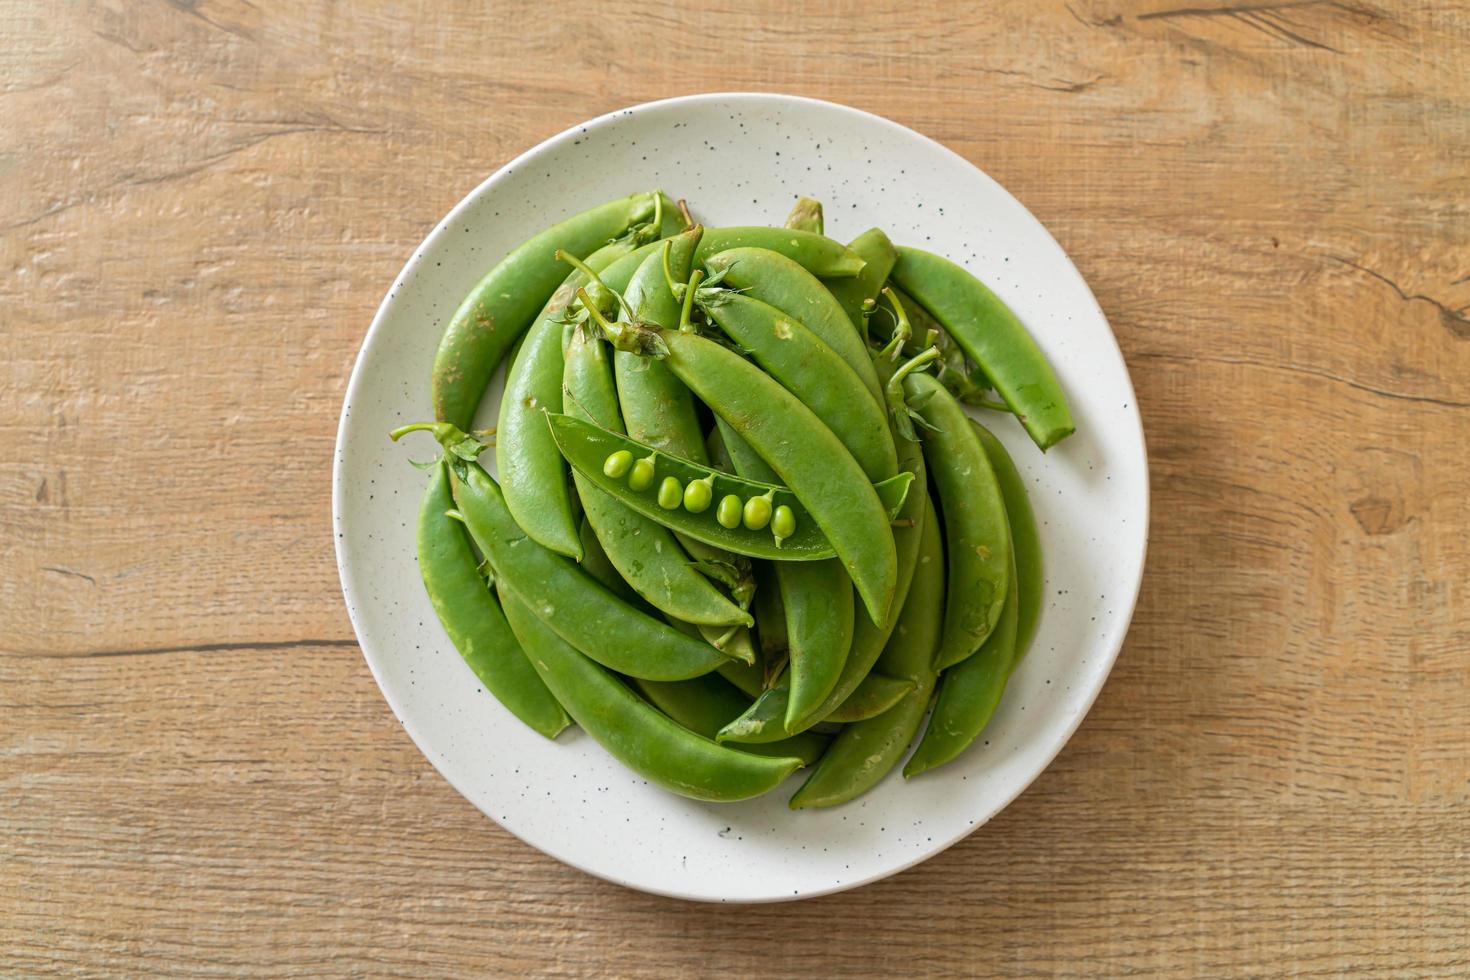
(770, 608)
(879, 255)
(703, 704)
(747, 677)
(745, 671)
(745, 461)
(865, 751)
(634, 732)
(953, 369)
(777, 281)
(533, 476)
(770, 617)
(810, 370)
(968, 695)
(596, 563)
(806, 618)
(817, 254)
(587, 446)
(765, 720)
(1028, 576)
(804, 453)
(642, 550)
(473, 619)
(970, 691)
(993, 337)
(502, 304)
(658, 409)
(736, 644)
(806, 215)
(571, 601)
(875, 695)
(977, 536)
(817, 597)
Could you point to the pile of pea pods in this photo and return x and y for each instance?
(743, 523)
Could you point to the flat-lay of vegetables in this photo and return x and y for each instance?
(742, 522)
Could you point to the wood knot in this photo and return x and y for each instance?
(1376, 515)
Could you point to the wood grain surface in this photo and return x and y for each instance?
(201, 204)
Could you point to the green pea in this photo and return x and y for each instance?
(728, 513)
(783, 523)
(618, 464)
(642, 476)
(698, 494)
(670, 493)
(757, 513)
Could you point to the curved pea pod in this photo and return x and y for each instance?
(658, 410)
(968, 695)
(806, 215)
(746, 677)
(770, 619)
(765, 720)
(804, 453)
(596, 563)
(875, 695)
(587, 446)
(865, 751)
(503, 303)
(977, 535)
(744, 669)
(812, 371)
(879, 255)
(777, 281)
(642, 550)
(634, 732)
(572, 602)
(473, 619)
(1028, 574)
(703, 704)
(533, 477)
(657, 407)
(744, 460)
(804, 611)
(993, 337)
(817, 254)
(817, 597)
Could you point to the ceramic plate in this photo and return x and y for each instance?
(743, 159)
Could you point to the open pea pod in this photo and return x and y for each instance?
(594, 452)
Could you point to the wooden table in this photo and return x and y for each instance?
(200, 207)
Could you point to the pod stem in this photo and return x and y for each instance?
(994, 406)
(455, 440)
(870, 306)
(625, 335)
(902, 331)
(593, 277)
(610, 329)
(686, 313)
(898, 407)
(674, 287)
(912, 364)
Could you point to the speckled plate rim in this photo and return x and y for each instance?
(1058, 735)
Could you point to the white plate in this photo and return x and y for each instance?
(743, 159)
